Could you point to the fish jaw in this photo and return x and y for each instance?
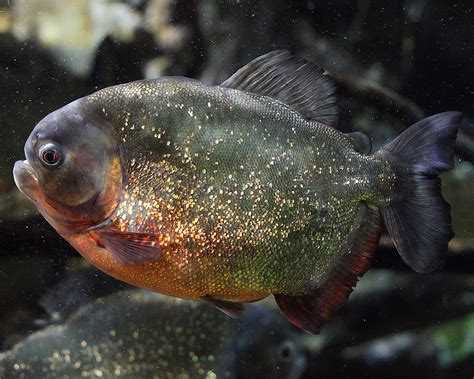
(26, 179)
(27, 182)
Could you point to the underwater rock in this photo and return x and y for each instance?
(72, 31)
(141, 334)
(162, 21)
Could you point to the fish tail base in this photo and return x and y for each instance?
(417, 217)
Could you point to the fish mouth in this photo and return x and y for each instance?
(25, 178)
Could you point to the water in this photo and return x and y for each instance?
(397, 323)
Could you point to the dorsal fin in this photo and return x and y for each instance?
(292, 80)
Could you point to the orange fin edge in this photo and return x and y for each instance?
(310, 312)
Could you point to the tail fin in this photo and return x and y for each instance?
(417, 217)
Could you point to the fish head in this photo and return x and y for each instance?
(72, 172)
(266, 346)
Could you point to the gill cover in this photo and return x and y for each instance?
(75, 159)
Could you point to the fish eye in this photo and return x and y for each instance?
(50, 154)
(285, 351)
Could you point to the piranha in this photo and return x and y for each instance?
(235, 192)
(140, 334)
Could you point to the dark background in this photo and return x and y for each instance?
(422, 50)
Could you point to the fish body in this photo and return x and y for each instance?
(137, 333)
(231, 193)
(240, 197)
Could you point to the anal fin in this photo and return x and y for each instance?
(310, 312)
(230, 308)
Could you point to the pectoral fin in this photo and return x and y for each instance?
(310, 312)
(129, 247)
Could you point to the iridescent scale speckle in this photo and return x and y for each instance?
(137, 334)
(246, 197)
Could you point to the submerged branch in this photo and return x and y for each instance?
(380, 97)
(392, 103)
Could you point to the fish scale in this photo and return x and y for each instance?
(235, 181)
(234, 192)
